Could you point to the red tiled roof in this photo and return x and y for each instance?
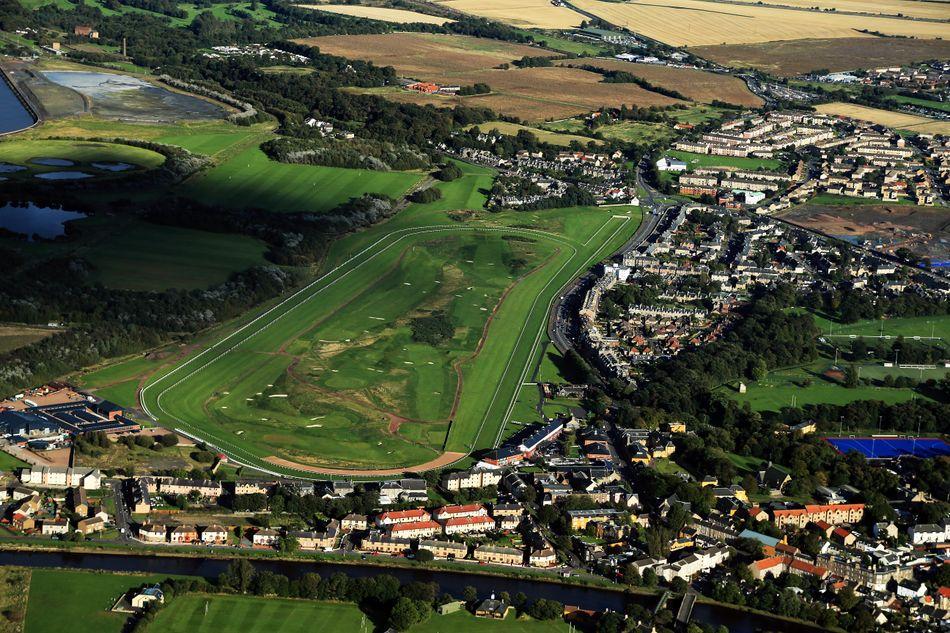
(396, 515)
(414, 525)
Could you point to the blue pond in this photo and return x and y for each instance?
(64, 175)
(113, 166)
(31, 220)
(52, 162)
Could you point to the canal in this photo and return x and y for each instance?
(452, 582)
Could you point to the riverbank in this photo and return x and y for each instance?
(615, 597)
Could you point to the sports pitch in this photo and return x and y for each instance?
(329, 381)
(890, 447)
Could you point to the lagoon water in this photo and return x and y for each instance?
(13, 116)
(113, 166)
(31, 220)
(63, 175)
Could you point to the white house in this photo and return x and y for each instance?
(668, 163)
(929, 533)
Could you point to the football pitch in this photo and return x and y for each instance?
(329, 380)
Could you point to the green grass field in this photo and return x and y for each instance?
(704, 160)
(78, 601)
(545, 136)
(943, 106)
(556, 43)
(337, 360)
(155, 257)
(936, 326)
(81, 153)
(782, 387)
(251, 180)
(639, 133)
(9, 462)
(250, 614)
(129, 253)
(849, 201)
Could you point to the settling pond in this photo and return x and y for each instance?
(31, 219)
(13, 115)
(129, 98)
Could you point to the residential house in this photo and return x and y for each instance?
(265, 538)
(444, 549)
(153, 533)
(498, 555)
(184, 535)
(91, 525)
(214, 535)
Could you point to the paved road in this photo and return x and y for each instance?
(121, 518)
(562, 322)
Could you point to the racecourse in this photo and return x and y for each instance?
(266, 391)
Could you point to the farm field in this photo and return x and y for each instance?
(342, 363)
(529, 14)
(384, 14)
(546, 136)
(78, 601)
(251, 180)
(15, 336)
(698, 23)
(460, 60)
(909, 8)
(708, 160)
(898, 120)
(795, 57)
(697, 85)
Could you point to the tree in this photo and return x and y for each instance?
(543, 609)
(425, 556)
(288, 544)
(237, 576)
(847, 599)
(649, 578)
(407, 612)
(469, 594)
(678, 585)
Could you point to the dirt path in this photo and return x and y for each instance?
(443, 460)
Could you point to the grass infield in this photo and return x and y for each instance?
(331, 377)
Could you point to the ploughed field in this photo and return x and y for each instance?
(693, 84)
(331, 379)
(795, 57)
(532, 94)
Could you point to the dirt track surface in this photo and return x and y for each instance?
(443, 460)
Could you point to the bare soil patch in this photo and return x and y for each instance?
(694, 84)
(794, 57)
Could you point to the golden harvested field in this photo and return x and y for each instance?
(528, 14)
(694, 84)
(384, 14)
(795, 57)
(698, 23)
(897, 120)
(420, 55)
(532, 94)
(939, 10)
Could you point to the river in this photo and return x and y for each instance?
(13, 115)
(452, 582)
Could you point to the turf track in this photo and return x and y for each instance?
(161, 398)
